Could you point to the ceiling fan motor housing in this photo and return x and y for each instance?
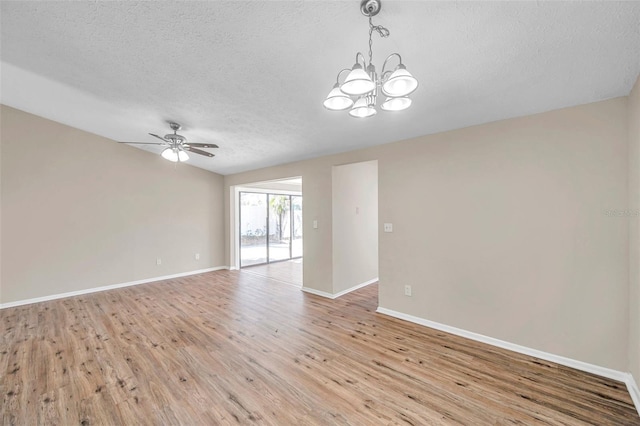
(175, 138)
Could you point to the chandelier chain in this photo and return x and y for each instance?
(382, 31)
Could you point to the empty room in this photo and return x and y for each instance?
(353, 212)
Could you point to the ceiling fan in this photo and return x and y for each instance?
(177, 145)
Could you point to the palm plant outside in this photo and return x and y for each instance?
(280, 207)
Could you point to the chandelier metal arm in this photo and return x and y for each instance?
(341, 71)
(387, 60)
(364, 61)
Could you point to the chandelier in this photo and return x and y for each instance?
(362, 84)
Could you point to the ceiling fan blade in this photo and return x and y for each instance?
(198, 151)
(203, 145)
(159, 137)
(145, 143)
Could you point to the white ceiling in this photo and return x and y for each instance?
(251, 76)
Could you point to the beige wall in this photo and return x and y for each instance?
(80, 211)
(634, 231)
(499, 228)
(354, 224)
(1, 127)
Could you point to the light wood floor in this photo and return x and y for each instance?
(230, 347)
(288, 271)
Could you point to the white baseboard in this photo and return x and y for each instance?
(318, 292)
(341, 293)
(355, 287)
(620, 376)
(106, 287)
(632, 386)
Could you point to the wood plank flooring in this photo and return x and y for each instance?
(288, 271)
(230, 347)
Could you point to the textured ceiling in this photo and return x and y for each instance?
(251, 76)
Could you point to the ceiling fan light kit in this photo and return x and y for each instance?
(175, 155)
(177, 145)
(363, 83)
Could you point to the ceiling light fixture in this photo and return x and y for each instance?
(175, 155)
(363, 83)
(176, 146)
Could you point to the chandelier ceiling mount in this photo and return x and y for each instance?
(370, 7)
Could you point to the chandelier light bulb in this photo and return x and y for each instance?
(182, 156)
(362, 108)
(337, 100)
(396, 104)
(400, 83)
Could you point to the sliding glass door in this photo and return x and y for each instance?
(279, 229)
(296, 227)
(253, 228)
(270, 227)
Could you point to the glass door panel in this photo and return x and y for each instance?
(279, 227)
(253, 229)
(296, 231)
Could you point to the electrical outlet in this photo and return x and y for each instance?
(197, 256)
(315, 224)
(407, 290)
(388, 227)
(158, 261)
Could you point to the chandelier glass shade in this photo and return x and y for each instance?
(357, 82)
(400, 83)
(337, 100)
(396, 104)
(363, 83)
(363, 108)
